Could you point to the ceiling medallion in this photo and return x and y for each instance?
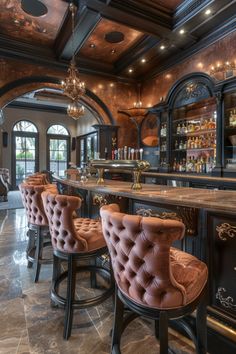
(114, 37)
(34, 8)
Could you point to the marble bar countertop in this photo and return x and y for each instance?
(220, 200)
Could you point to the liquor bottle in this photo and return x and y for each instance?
(161, 131)
(184, 165)
(189, 143)
(178, 129)
(106, 153)
(176, 145)
(164, 130)
(181, 145)
(174, 165)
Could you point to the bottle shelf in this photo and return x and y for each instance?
(196, 118)
(196, 133)
(197, 149)
(230, 128)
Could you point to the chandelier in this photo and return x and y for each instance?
(75, 110)
(136, 113)
(72, 86)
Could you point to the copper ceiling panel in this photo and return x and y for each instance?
(15, 23)
(103, 49)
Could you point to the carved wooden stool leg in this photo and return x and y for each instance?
(118, 325)
(70, 296)
(38, 253)
(163, 332)
(201, 326)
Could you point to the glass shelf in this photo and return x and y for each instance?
(198, 124)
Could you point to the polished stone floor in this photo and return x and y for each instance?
(28, 324)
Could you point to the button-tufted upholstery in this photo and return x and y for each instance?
(39, 178)
(146, 268)
(71, 235)
(32, 201)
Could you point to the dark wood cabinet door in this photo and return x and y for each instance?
(222, 267)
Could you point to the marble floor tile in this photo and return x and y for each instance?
(29, 325)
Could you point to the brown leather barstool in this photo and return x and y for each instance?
(152, 278)
(38, 231)
(74, 240)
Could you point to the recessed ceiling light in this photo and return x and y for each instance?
(113, 51)
(130, 70)
(143, 60)
(208, 12)
(92, 45)
(182, 31)
(111, 84)
(162, 47)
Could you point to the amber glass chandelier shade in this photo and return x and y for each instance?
(75, 110)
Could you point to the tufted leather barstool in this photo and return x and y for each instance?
(74, 240)
(152, 278)
(38, 232)
(39, 179)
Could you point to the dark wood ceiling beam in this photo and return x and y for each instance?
(131, 17)
(13, 49)
(190, 12)
(221, 31)
(136, 52)
(86, 21)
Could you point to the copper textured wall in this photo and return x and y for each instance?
(220, 52)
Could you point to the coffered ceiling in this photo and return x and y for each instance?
(132, 39)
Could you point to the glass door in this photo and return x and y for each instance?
(24, 157)
(230, 131)
(58, 155)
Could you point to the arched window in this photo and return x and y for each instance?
(58, 142)
(25, 151)
(25, 126)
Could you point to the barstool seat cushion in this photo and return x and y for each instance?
(91, 231)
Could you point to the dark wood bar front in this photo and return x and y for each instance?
(210, 220)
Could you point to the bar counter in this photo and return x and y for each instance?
(210, 219)
(220, 200)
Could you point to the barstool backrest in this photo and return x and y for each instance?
(139, 248)
(32, 201)
(59, 210)
(37, 178)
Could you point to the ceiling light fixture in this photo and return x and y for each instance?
(137, 113)
(75, 110)
(162, 47)
(130, 70)
(92, 45)
(182, 31)
(208, 12)
(143, 60)
(73, 87)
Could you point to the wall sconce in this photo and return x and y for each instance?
(228, 69)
